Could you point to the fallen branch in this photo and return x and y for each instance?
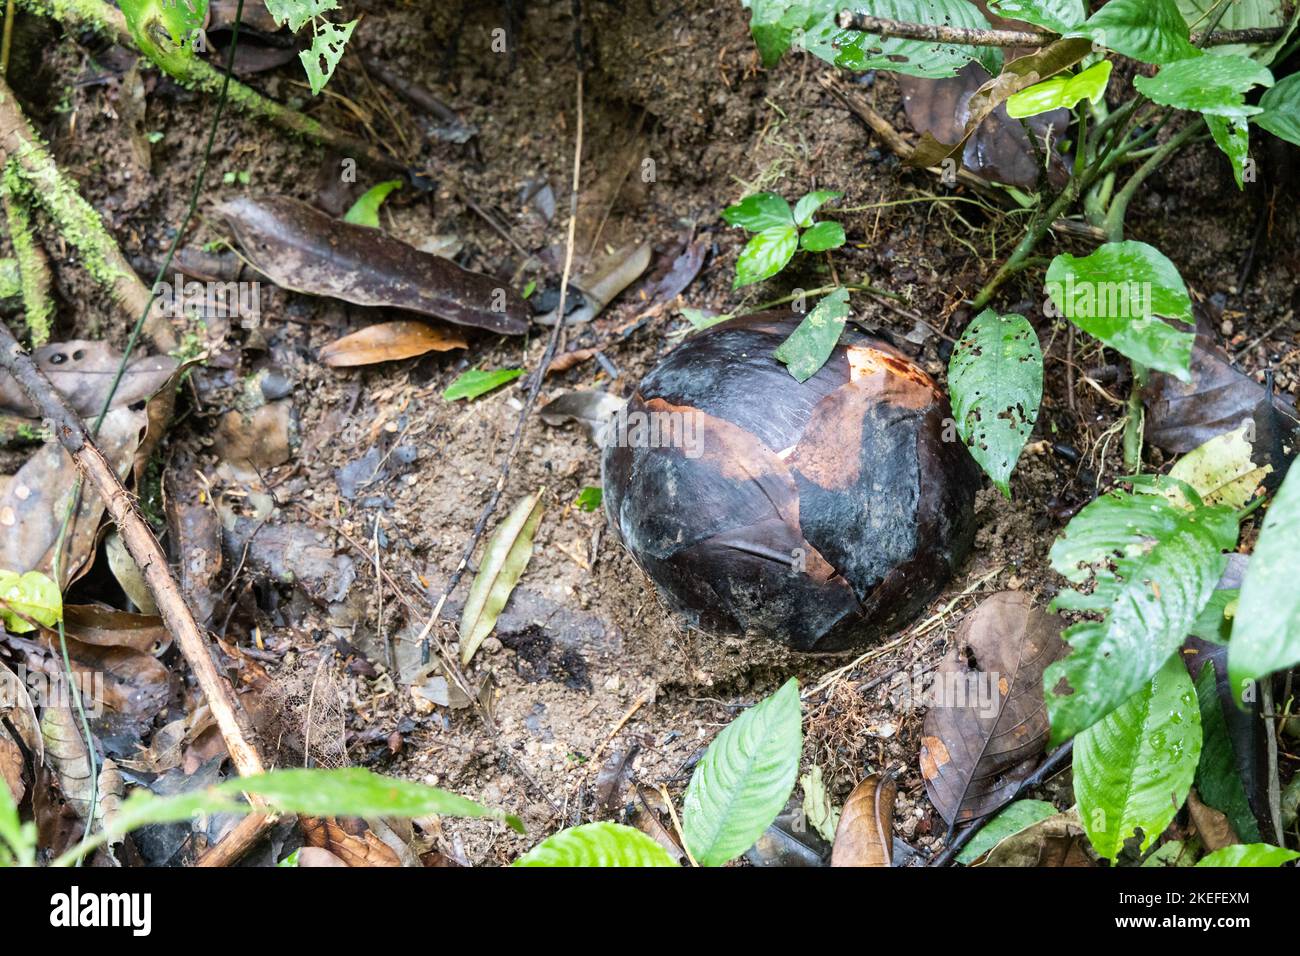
(977, 36)
(41, 181)
(140, 542)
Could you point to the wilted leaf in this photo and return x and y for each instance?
(1012, 819)
(389, 342)
(593, 409)
(865, 835)
(597, 844)
(811, 343)
(1134, 768)
(500, 569)
(985, 729)
(818, 811)
(1222, 471)
(742, 781)
(301, 249)
(365, 211)
(996, 378)
(1212, 826)
(475, 382)
(65, 748)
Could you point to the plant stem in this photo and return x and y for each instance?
(1119, 205)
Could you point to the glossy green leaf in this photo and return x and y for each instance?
(1059, 16)
(1118, 294)
(327, 43)
(744, 778)
(365, 211)
(475, 382)
(1214, 85)
(29, 599)
(822, 236)
(1134, 768)
(1060, 92)
(597, 844)
(1012, 819)
(1266, 628)
(502, 565)
(1152, 31)
(809, 204)
(758, 212)
(1222, 471)
(863, 51)
(1281, 109)
(996, 379)
(1249, 854)
(809, 346)
(180, 18)
(766, 254)
(1153, 566)
(1218, 783)
(1233, 137)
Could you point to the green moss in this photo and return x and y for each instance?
(34, 273)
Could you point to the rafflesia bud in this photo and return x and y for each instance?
(823, 514)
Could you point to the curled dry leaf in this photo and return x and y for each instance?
(65, 749)
(302, 249)
(504, 560)
(112, 789)
(350, 840)
(987, 724)
(865, 836)
(105, 627)
(1212, 826)
(11, 765)
(389, 342)
(1056, 841)
(16, 710)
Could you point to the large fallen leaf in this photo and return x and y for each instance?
(302, 249)
(1134, 768)
(389, 342)
(84, 372)
(987, 724)
(865, 836)
(597, 844)
(65, 748)
(1055, 841)
(503, 563)
(744, 778)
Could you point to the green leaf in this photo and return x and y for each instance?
(863, 51)
(742, 781)
(1153, 567)
(475, 382)
(1134, 768)
(1281, 109)
(1266, 628)
(1060, 92)
(809, 346)
(1214, 85)
(589, 498)
(809, 204)
(327, 45)
(29, 597)
(1152, 31)
(597, 844)
(822, 236)
(17, 839)
(1249, 854)
(1214, 623)
(1237, 15)
(1014, 818)
(758, 212)
(1059, 16)
(503, 563)
(766, 254)
(1233, 137)
(774, 24)
(365, 211)
(1222, 471)
(700, 321)
(296, 13)
(1217, 781)
(179, 17)
(1116, 295)
(996, 378)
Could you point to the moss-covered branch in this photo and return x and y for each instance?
(33, 264)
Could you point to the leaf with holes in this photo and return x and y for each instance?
(854, 50)
(1266, 628)
(1153, 566)
(296, 13)
(996, 378)
(1133, 769)
(597, 844)
(743, 779)
(1232, 135)
(1118, 293)
(327, 43)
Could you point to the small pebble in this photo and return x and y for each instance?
(492, 645)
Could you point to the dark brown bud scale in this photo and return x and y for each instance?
(824, 514)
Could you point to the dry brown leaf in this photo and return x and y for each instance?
(389, 342)
(1055, 841)
(65, 750)
(1212, 825)
(11, 765)
(317, 856)
(350, 840)
(106, 627)
(865, 835)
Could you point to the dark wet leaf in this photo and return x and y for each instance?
(302, 249)
(864, 836)
(1217, 778)
(389, 342)
(83, 371)
(987, 726)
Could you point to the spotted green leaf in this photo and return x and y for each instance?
(1134, 768)
(27, 600)
(1213, 85)
(996, 378)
